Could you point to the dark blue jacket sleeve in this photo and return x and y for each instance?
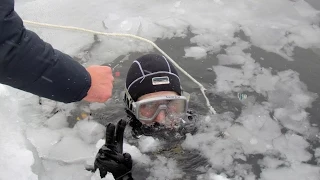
(32, 65)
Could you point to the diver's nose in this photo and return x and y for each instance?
(160, 117)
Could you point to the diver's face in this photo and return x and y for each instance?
(160, 118)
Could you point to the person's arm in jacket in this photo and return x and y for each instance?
(30, 64)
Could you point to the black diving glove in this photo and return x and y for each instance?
(110, 157)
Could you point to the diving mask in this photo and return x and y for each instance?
(170, 106)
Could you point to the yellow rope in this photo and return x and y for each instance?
(134, 37)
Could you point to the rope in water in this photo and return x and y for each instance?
(211, 109)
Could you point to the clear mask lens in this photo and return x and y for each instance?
(163, 109)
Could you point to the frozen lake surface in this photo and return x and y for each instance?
(267, 50)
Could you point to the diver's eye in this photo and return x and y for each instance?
(151, 105)
(175, 106)
(148, 109)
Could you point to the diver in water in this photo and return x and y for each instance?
(153, 96)
(155, 105)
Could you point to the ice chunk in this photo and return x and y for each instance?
(195, 52)
(47, 106)
(231, 59)
(278, 98)
(56, 171)
(265, 82)
(177, 4)
(250, 143)
(15, 158)
(253, 141)
(89, 131)
(136, 154)
(295, 172)
(219, 152)
(117, 23)
(212, 42)
(96, 106)
(100, 143)
(71, 149)
(111, 18)
(302, 99)
(257, 120)
(126, 25)
(289, 82)
(293, 119)
(57, 121)
(212, 176)
(317, 154)
(305, 36)
(289, 99)
(229, 79)
(148, 144)
(163, 168)
(217, 177)
(43, 139)
(293, 146)
(270, 162)
(4, 92)
(250, 177)
(96, 176)
(304, 8)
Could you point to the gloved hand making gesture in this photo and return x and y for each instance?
(110, 157)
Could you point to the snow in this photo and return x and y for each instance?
(37, 142)
(16, 159)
